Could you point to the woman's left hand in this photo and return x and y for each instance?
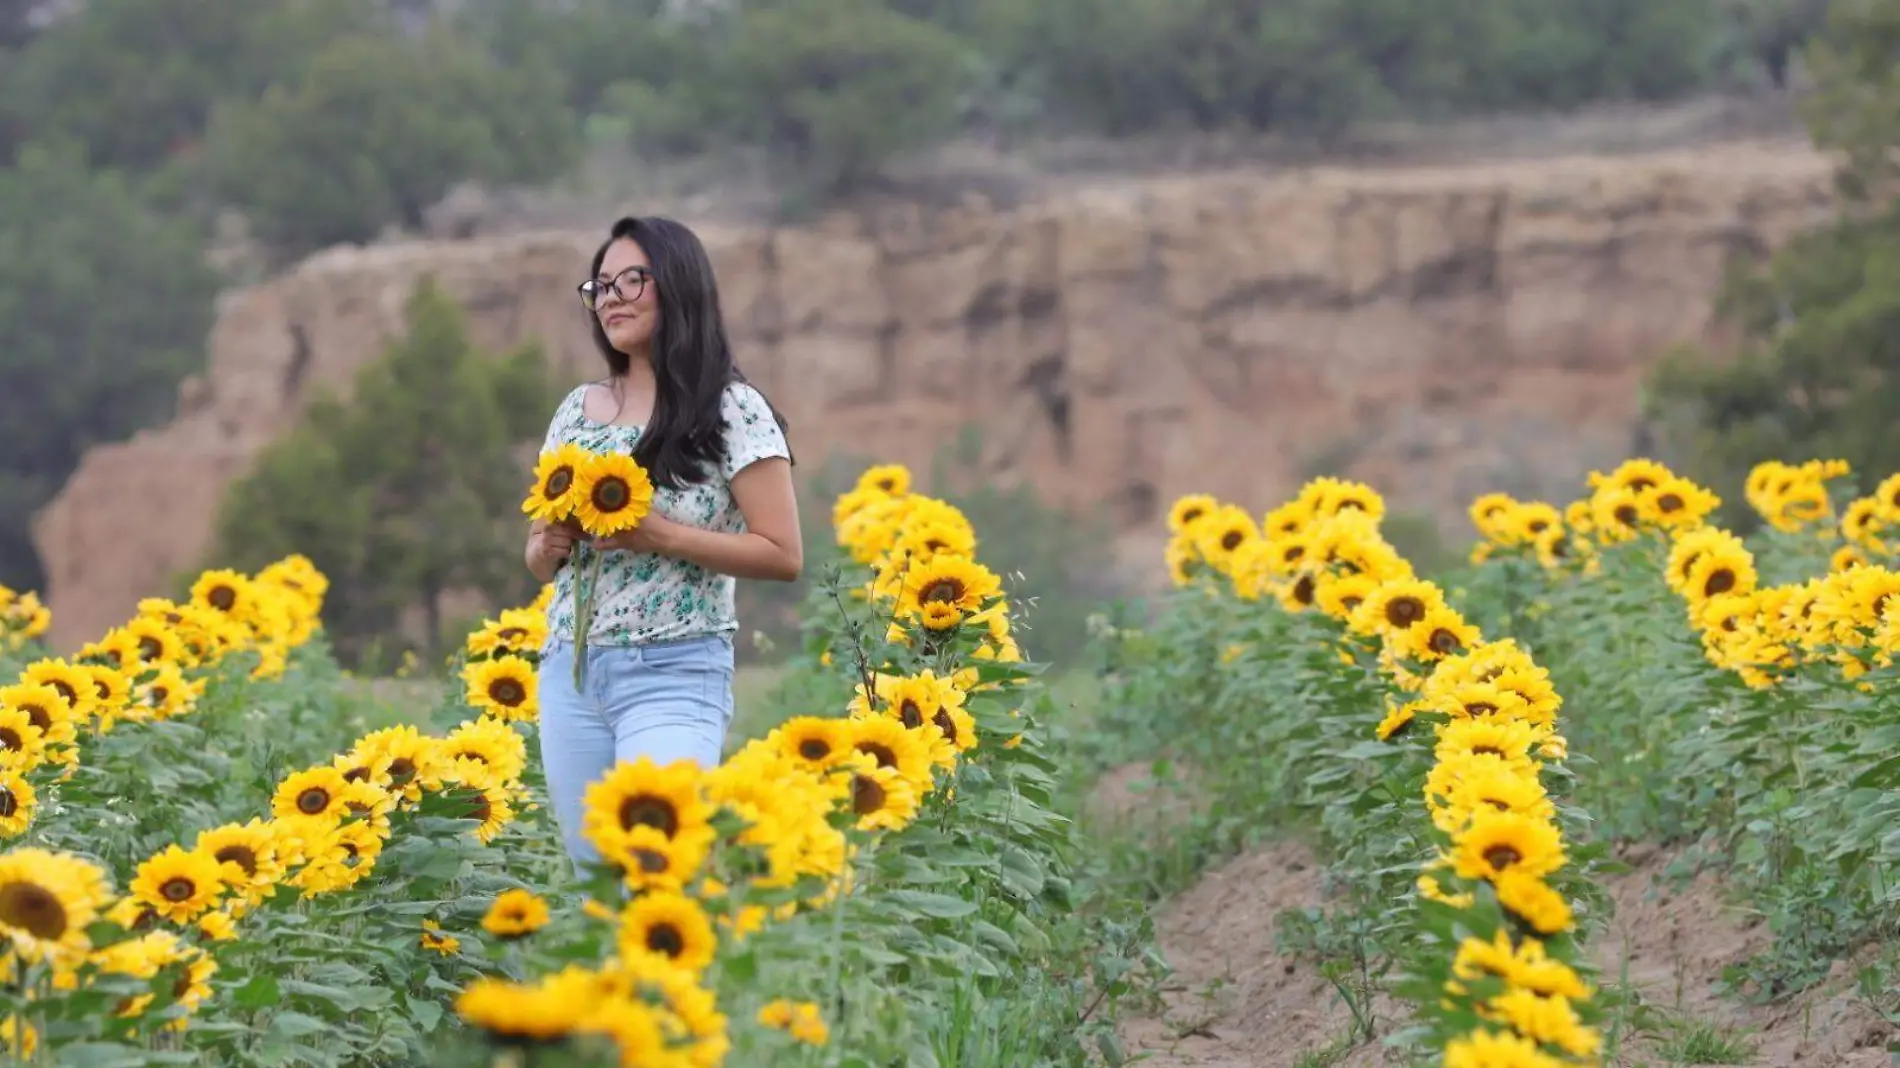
(655, 534)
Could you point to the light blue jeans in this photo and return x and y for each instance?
(664, 701)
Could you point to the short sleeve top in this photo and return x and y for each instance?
(644, 597)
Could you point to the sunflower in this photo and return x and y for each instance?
(892, 480)
(71, 681)
(486, 802)
(433, 940)
(19, 1038)
(47, 900)
(247, 853)
(613, 493)
(1491, 514)
(1397, 719)
(667, 798)
(523, 1015)
(556, 478)
(1497, 842)
(408, 759)
(179, 884)
(45, 709)
(155, 642)
(1509, 740)
(226, 592)
(1496, 1049)
(17, 802)
(22, 744)
(1494, 788)
(515, 913)
(958, 582)
(892, 745)
(504, 688)
(669, 926)
(882, 799)
(168, 693)
(956, 726)
(818, 742)
(648, 860)
(1393, 607)
(312, 794)
(1218, 536)
(799, 1019)
(1189, 510)
(1440, 633)
(484, 739)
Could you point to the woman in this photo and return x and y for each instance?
(658, 679)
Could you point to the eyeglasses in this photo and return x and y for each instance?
(628, 285)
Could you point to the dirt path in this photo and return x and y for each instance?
(1672, 944)
(1235, 1001)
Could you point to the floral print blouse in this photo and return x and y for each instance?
(645, 597)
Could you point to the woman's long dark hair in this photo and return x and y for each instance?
(692, 361)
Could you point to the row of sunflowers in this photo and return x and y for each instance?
(1495, 971)
(1741, 684)
(299, 889)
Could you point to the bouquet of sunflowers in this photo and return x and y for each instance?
(602, 493)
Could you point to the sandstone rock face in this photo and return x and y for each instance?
(1435, 331)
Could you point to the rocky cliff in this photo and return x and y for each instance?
(1436, 331)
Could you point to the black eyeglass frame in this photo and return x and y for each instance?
(592, 289)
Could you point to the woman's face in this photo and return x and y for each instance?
(627, 304)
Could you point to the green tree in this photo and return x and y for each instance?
(837, 86)
(104, 305)
(135, 80)
(1817, 371)
(407, 492)
(377, 130)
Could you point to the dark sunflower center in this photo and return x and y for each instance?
(1721, 580)
(403, 769)
(222, 598)
(1350, 505)
(1192, 514)
(66, 692)
(1490, 749)
(1538, 526)
(241, 855)
(944, 590)
(1231, 540)
(888, 485)
(945, 724)
(1303, 590)
(935, 545)
(611, 494)
(1480, 708)
(39, 717)
(10, 739)
(1639, 484)
(645, 810)
(910, 715)
(1293, 553)
(652, 861)
(1627, 515)
(1501, 857)
(1404, 611)
(1348, 603)
(885, 758)
(507, 692)
(8, 804)
(150, 648)
(1501, 806)
(313, 801)
(159, 694)
(665, 938)
(511, 634)
(814, 749)
(1669, 502)
(177, 888)
(356, 774)
(867, 795)
(1444, 642)
(559, 481)
(33, 908)
(479, 808)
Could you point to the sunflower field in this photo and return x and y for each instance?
(214, 858)
(1302, 679)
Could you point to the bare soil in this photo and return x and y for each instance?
(1236, 1000)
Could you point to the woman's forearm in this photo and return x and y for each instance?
(744, 555)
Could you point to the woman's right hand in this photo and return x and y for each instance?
(549, 547)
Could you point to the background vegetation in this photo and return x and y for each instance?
(142, 140)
